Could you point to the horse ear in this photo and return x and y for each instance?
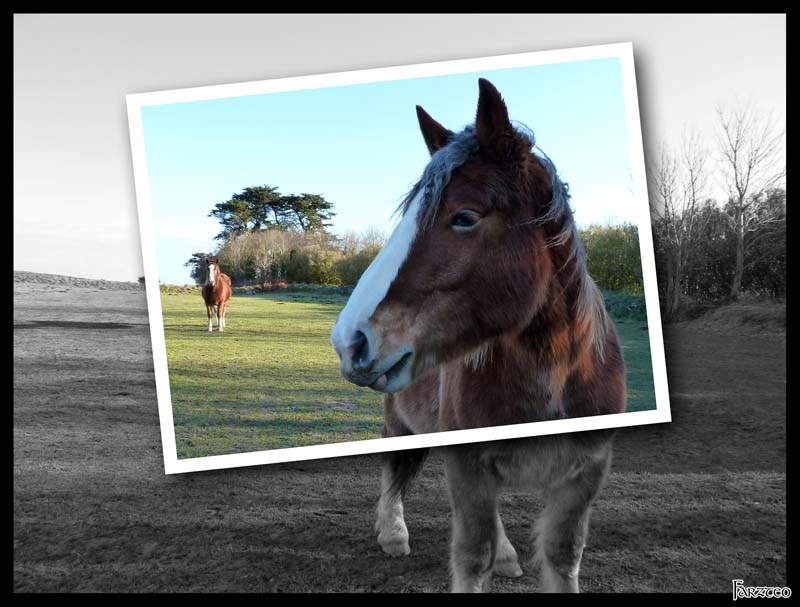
(492, 125)
(436, 136)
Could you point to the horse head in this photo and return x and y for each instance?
(212, 270)
(468, 261)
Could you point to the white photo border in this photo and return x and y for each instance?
(135, 103)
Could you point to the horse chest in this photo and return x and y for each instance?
(541, 462)
(417, 407)
(483, 398)
(216, 293)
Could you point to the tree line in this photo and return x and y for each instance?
(270, 240)
(712, 251)
(276, 257)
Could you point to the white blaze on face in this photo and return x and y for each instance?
(375, 282)
(211, 275)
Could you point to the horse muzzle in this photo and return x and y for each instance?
(361, 363)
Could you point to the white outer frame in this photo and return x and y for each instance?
(621, 51)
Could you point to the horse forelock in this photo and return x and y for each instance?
(437, 174)
(461, 148)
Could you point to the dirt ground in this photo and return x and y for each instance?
(689, 505)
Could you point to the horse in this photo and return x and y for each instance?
(216, 293)
(479, 311)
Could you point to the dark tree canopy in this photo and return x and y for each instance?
(264, 207)
(309, 212)
(710, 270)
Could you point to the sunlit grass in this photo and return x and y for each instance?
(271, 379)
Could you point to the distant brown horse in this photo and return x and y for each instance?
(216, 293)
(479, 312)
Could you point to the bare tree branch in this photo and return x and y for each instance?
(750, 146)
(678, 181)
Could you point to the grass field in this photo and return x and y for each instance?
(271, 379)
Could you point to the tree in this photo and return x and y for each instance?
(750, 146)
(612, 256)
(358, 250)
(308, 212)
(678, 182)
(264, 207)
(270, 252)
(352, 242)
(252, 209)
(709, 269)
(372, 237)
(764, 269)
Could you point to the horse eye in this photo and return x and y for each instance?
(464, 220)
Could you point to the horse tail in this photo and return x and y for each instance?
(406, 465)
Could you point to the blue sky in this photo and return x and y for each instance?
(360, 147)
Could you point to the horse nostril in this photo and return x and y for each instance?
(359, 350)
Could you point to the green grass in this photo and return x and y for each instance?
(630, 317)
(635, 340)
(271, 379)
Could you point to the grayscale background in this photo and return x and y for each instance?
(689, 505)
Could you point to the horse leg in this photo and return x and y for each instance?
(210, 311)
(473, 499)
(563, 525)
(221, 317)
(506, 563)
(399, 469)
(224, 312)
(390, 524)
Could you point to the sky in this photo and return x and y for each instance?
(74, 204)
(361, 148)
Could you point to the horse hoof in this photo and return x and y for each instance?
(396, 548)
(395, 545)
(507, 569)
